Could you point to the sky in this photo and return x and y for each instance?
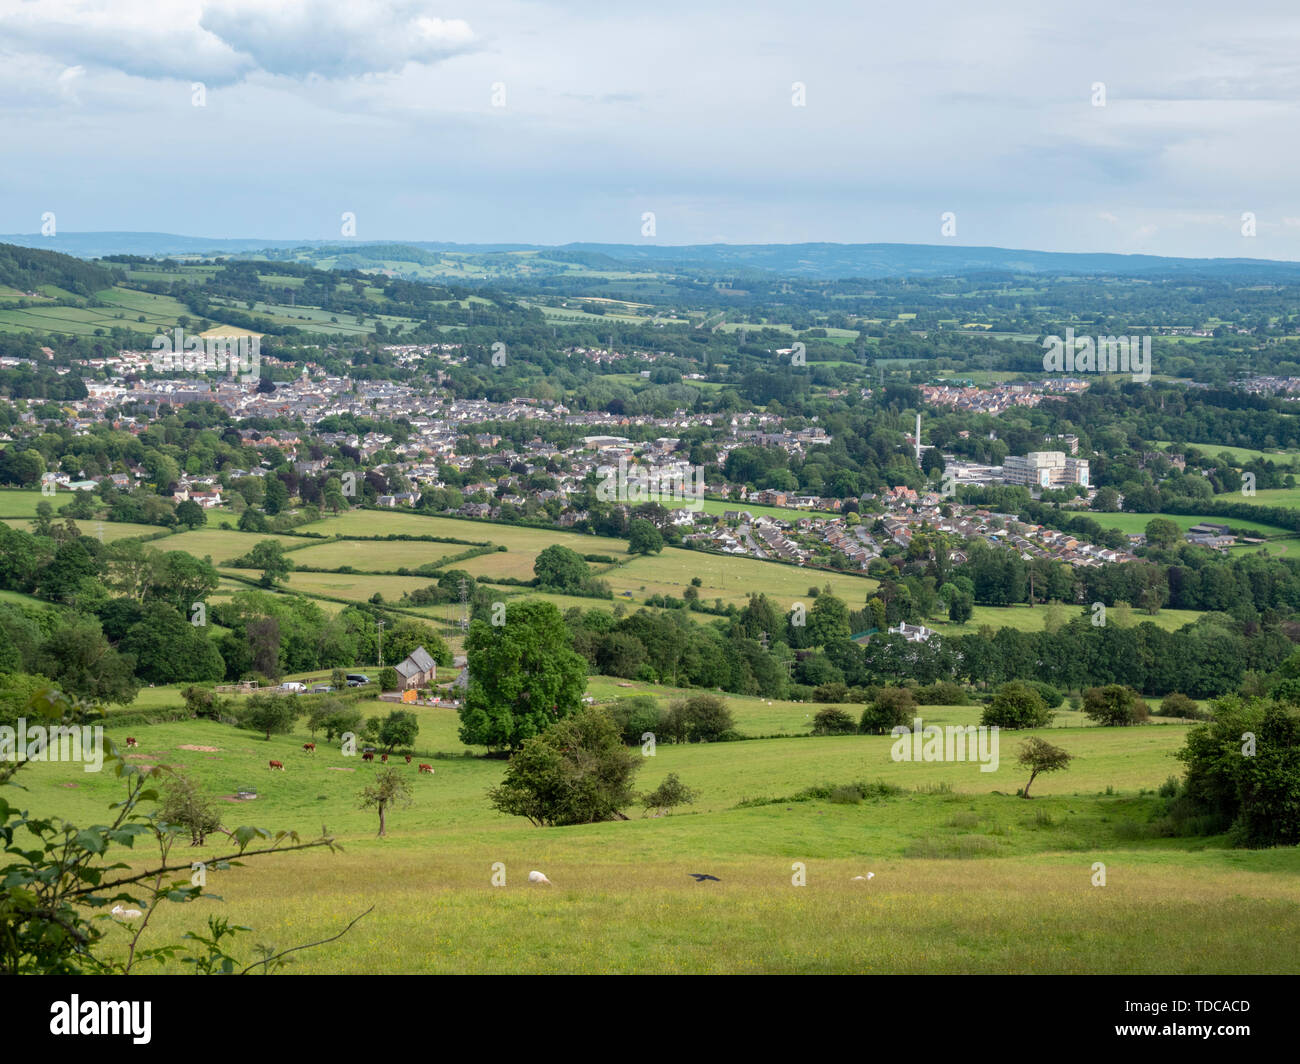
(1162, 127)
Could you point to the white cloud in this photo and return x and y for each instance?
(299, 38)
(223, 41)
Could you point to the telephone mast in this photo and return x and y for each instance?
(381, 644)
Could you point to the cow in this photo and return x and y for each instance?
(277, 764)
(408, 759)
(427, 768)
(383, 758)
(367, 757)
(309, 747)
(130, 742)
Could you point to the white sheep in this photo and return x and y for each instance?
(127, 914)
(869, 875)
(538, 877)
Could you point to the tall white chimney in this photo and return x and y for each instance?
(918, 437)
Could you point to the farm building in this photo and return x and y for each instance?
(418, 670)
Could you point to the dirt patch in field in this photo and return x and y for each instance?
(335, 768)
(69, 784)
(237, 797)
(202, 749)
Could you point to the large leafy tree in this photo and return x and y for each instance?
(643, 538)
(579, 772)
(828, 620)
(78, 657)
(561, 569)
(523, 676)
(180, 579)
(169, 649)
(272, 714)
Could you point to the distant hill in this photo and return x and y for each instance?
(816, 261)
(26, 270)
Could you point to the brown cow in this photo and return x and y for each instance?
(277, 764)
(367, 757)
(309, 747)
(408, 759)
(383, 758)
(131, 742)
(427, 768)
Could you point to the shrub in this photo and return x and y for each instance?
(942, 694)
(388, 679)
(1175, 704)
(1016, 705)
(203, 703)
(831, 721)
(634, 717)
(576, 772)
(1114, 705)
(698, 719)
(671, 793)
(1257, 792)
(891, 707)
(1050, 695)
(831, 692)
(185, 807)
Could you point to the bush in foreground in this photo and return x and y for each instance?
(576, 772)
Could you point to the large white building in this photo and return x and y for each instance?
(1045, 469)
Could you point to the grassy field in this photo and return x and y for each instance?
(22, 503)
(221, 544)
(357, 587)
(1289, 497)
(1132, 524)
(1028, 619)
(106, 531)
(731, 578)
(1239, 454)
(783, 513)
(967, 878)
(370, 556)
(122, 307)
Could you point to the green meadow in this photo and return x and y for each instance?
(1133, 524)
(966, 877)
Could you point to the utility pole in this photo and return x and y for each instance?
(464, 606)
(381, 644)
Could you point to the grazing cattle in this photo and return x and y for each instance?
(131, 742)
(408, 759)
(309, 747)
(277, 764)
(367, 757)
(427, 768)
(383, 758)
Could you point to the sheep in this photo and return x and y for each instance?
(869, 875)
(538, 877)
(127, 914)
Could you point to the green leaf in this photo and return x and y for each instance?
(92, 840)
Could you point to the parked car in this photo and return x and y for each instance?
(294, 686)
(321, 689)
(357, 679)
